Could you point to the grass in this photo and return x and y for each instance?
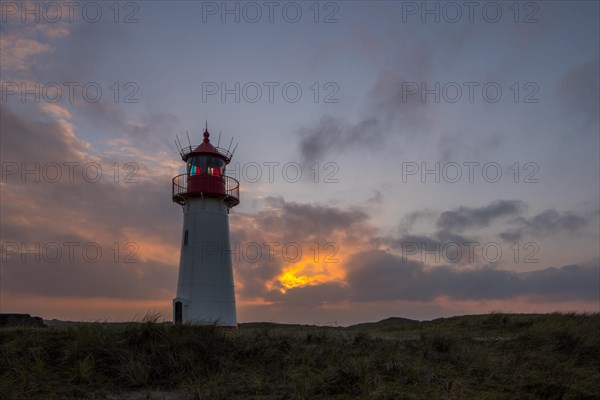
(495, 356)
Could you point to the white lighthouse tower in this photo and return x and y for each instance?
(205, 289)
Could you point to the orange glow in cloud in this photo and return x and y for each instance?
(309, 271)
(318, 259)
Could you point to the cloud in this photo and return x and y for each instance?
(82, 276)
(38, 210)
(312, 220)
(309, 296)
(388, 111)
(78, 53)
(377, 197)
(18, 50)
(332, 133)
(453, 247)
(366, 274)
(579, 91)
(449, 236)
(470, 218)
(544, 223)
(380, 276)
(111, 120)
(552, 219)
(39, 141)
(323, 235)
(478, 217)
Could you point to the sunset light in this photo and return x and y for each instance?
(308, 273)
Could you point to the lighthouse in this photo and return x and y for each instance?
(205, 288)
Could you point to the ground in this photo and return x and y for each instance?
(495, 356)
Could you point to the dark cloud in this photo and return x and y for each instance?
(443, 246)
(393, 102)
(412, 217)
(464, 218)
(334, 134)
(36, 140)
(305, 221)
(380, 276)
(552, 220)
(544, 223)
(377, 197)
(389, 111)
(579, 90)
(450, 240)
(55, 274)
(310, 296)
(511, 235)
(478, 217)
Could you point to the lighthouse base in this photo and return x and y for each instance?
(182, 314)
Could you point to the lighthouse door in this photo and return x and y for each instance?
(178, 312)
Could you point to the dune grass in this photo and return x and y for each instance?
(495, 356)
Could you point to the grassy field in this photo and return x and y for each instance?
(495, 356)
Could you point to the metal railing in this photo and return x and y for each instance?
(184, 151)
(212, 187)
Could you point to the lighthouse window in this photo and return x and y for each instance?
(185, 237)
(206, 165)
(193, 167)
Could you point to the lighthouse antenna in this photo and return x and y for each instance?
(189, 141)
(219, 141)
(179, 146)
(230, 143)
(233, 152)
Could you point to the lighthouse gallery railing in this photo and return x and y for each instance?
(190, 149)
(212, 186)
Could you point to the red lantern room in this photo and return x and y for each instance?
(205, 174)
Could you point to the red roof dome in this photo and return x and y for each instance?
(207, 148)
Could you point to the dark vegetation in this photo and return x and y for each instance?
(8, 320)
(495, 356)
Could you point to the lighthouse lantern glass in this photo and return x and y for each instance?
(205, 165)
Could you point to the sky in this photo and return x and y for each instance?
(395, 158)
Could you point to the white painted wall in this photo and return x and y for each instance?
(205, 284)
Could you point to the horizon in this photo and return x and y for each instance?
(165, 319)
(394, 158)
